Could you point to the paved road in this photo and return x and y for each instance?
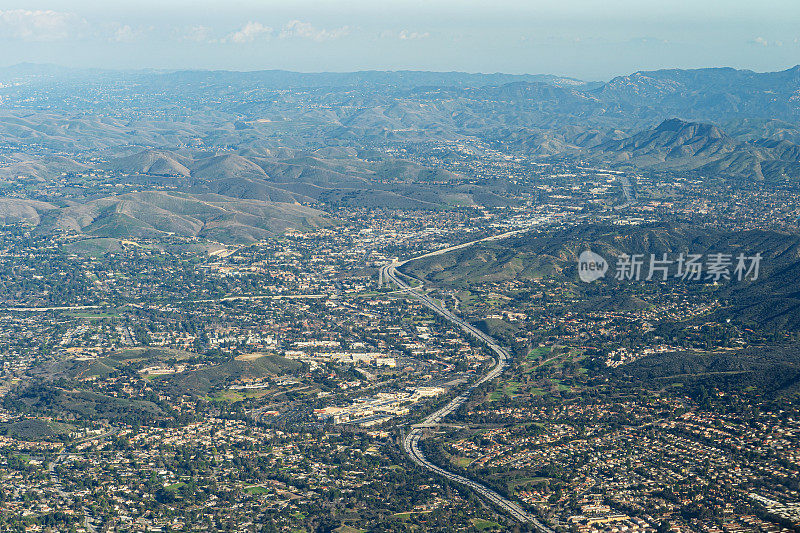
(56, 308)
(411, 441)
(208, 300)
(383, 274)
(627, 190)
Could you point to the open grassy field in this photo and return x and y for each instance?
(482, 525)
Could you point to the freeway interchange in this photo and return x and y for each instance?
(389, 273)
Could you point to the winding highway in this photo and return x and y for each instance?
(411, 440)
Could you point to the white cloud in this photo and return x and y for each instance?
(126, 34)
(197, 34)
(761, 41)
(406, 35)
(39, 25)
(305, 30)
(648, 41)
(249, 33)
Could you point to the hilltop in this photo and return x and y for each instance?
(769, 302)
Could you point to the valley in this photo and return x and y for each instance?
(278, 301)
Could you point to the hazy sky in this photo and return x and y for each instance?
(588, 39)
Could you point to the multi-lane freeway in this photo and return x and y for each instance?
(411, 441)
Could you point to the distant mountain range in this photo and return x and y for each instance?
(713, 94)
(321, 140)
(679, 145)
(284, 79)
(228, 197)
